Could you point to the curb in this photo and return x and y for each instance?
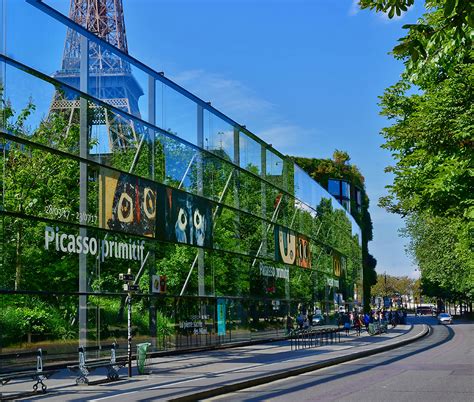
(225, 389)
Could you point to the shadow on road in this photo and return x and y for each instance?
(446, 337)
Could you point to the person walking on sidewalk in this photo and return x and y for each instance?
(357, 324)
(366, 321)
(289, 324)
(347, 323)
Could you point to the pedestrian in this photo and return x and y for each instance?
(289, 324)
(347, 324)
(366, 321)
(305, 323)
(300, 321)
(357, 324)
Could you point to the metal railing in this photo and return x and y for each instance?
(311, 338)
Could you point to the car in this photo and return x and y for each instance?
(445, 318)
(424, 310)
(318, 319)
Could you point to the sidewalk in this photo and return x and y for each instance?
(204, 374)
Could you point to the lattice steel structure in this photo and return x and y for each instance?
(110, 77)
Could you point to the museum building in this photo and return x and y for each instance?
(119, 185)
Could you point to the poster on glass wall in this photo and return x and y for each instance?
(292, 248)
(188, 219)
(303, 252)
(285, 245)
(221, 320)
(127, 203)
(336, 264)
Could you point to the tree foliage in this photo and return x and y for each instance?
(437, 42)
(442, 247)
(432, 144)
(431, 140)
(388, 285)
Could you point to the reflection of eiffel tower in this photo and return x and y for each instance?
(110, 77)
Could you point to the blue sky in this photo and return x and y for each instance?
(304, 75)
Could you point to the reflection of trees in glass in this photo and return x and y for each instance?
(35, 181)
(339, 168)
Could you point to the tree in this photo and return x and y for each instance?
(442, 248)
(435, 44)
(432, 144)
(431, 140)
(389, 286)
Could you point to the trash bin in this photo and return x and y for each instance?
(141, 356)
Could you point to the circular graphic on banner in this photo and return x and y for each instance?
(125, 208)
(149, 203)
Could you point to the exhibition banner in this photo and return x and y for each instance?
(339, 264)
(142, 207)
(336, 264)
(221, 307)
(128, 203)
(292, 248)
(188, 218)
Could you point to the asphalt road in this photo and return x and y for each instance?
(439, 367)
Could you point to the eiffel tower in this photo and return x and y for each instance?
(110, 77)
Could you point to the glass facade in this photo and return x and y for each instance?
(341, 191)
(109, 170)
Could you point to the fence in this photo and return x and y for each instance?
(302, 339)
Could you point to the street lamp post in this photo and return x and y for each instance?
(129, 287)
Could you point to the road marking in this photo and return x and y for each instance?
(113, 396)
(218, 373)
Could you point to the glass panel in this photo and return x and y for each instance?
(179, 115)
(334, 187)
(47, 42)
(28, 322)
(218, 136)
(346, 189)
(250, 154)
(249, 194)
(347, 205)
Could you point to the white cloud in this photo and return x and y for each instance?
(354, 9)
(288, 138)
(244, 106)
(231, 96)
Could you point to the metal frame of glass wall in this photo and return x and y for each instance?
(241, 235)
